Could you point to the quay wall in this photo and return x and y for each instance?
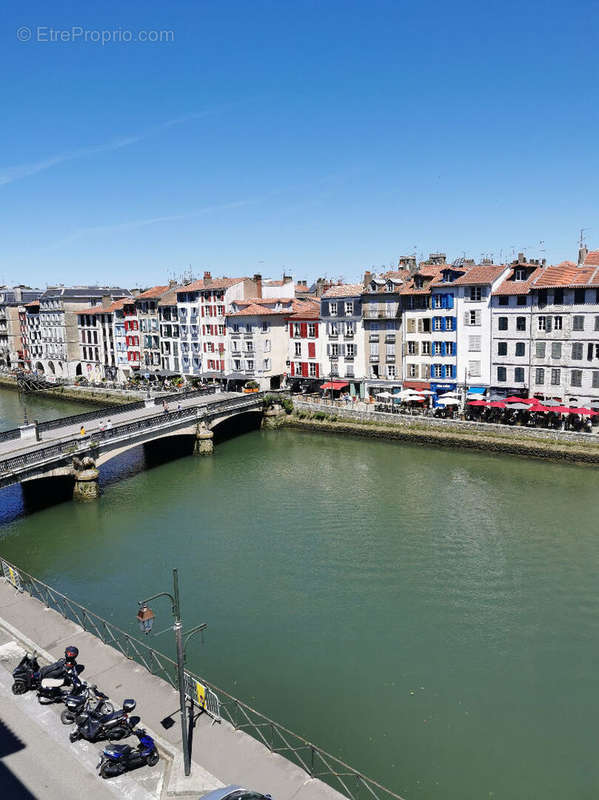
(489, 437)
(82, 394)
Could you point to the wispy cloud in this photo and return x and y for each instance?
(130, 225)
(16, 173)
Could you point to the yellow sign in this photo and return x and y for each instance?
(11, 575)
(200, 694)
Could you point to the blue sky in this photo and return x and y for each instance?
(321, 137)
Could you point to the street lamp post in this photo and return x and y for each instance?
(146, 617)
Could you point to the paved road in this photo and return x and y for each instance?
(38, 761)
(66, 433)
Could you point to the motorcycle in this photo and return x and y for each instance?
(96, 727)
(83, 701)
(119, 758)
(50, 680)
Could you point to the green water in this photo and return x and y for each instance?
(13, 405)
(431, 616)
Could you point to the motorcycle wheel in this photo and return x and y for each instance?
(108, 770)
(45, 701)
(153, 758)
(19, 687)
(74, 736)
(67, 717)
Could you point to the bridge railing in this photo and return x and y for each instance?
(318, 763)
(79, 445)
(178, 396)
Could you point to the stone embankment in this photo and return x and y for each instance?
(533, 442)
(82, 394)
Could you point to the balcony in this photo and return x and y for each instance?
(374, 337)
(372, 313)
(374, 359)
(349, 335)
(390, 338)
(390, 359)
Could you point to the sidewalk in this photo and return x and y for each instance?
(221, 755)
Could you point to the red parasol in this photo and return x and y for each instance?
(496, 404)
(478, 403)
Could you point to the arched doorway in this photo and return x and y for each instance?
(39, 367)
(51, 367)
(78, 370)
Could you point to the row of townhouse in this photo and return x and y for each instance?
(524, 328)
(12, 302)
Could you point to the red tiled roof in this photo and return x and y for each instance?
(480, 274)
(591, 259)
(154, 292)
(100, 309)
(33, 304)
(170, 298)
(344, 290)
(509, 286)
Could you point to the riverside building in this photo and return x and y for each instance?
(305, 369)
(382, 322)
(11, 333)
(343, 352)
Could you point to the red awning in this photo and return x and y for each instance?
(514, 399)
(334, 385)
(416, 385)
(478, 403)
(496, 404)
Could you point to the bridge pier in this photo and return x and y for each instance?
(86, 479)
(204, 444)
(273, 417)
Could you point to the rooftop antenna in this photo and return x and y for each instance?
(581, 242)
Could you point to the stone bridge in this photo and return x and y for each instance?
(76, 451)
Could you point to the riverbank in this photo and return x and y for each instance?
(82, 394)
(533, 443)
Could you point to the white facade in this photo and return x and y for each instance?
(343, 355)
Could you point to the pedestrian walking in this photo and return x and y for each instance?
(109, 425)
(82, 430)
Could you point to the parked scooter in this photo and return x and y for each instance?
(96, 727)
(119, 758)
(48, 680)
(83, 701)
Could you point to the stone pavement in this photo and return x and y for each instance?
(221, 754)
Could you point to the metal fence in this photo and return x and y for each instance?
(277, 738)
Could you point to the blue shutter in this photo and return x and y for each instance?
(442, 348)
(442, 323)
(442, 370)
(449, 300)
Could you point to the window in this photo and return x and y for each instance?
(297, 329)
(539, 376)
(437, 348)
(595, 380)
(449, 348)
(502, 348)
(576, 377)
(520, 323)
(450, 323)
(313, 370)
(555, 377)
(473, 318)
(349, 329)
(266, 345)
(391, 371)
(298, 349)
(597, 321)
(557, 323)
(474, 369)
(333, 309)
(556, 349)
(540, 349)
(520, 349)
(249, 364)
(558, 297)
(413, 370)
(502, 323)
(519, 274)
(264, 327)
(438, 323)
(504, 300)
(576, 351)
(578, 322)
(334, 350)
(542, 323)
(312, 330)
(475, 293)
(350, 350)
(521, 300)
(333, 329)
(519, 374)
(411, 348)
(474, 344)
(267, 364)
(579, 298)
(437, 371)
(501, 374)
(437, 301)
(349, 308)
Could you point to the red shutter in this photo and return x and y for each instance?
(205, 347)
(318, 370)
(222, 366)
(291, 330)
(202, 310)
(293, 367)
(316, 330)
(304, 329)
(311, 350)
(305, 369)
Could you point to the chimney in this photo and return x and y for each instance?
(521, 259)
(207, 278)
(258, 282)
(367, 277)
(172, 283)
(106, 300)
(582, 254)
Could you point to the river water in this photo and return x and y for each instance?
(429, 615)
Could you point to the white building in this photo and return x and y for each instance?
(343, 353)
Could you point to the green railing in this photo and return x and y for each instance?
(277, 738)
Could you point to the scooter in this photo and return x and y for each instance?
(83, 701)
(96, 727)
(27, 675)
(119, 758)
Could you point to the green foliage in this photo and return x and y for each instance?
(287, 404)
(252, 385)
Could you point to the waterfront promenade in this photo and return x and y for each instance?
(221, 754)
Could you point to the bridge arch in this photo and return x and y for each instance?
(40, 367)
(51, 367)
